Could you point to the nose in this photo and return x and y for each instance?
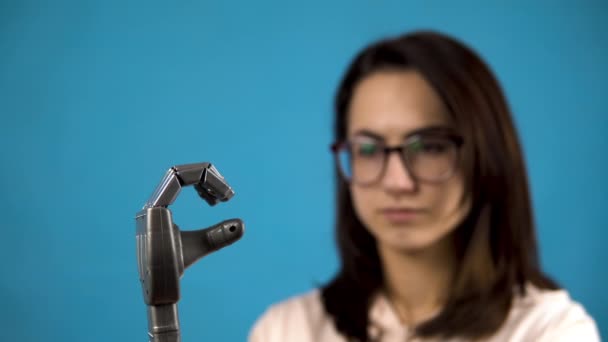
(397, 177)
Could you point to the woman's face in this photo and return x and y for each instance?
(400, 211)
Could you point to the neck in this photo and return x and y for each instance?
(416, 283)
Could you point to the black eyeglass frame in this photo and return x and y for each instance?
(456, 139)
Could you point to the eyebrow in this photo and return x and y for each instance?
(433, 129)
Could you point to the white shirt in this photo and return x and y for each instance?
(540, 316)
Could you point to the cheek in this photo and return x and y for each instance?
(363, 200)
(449, 199)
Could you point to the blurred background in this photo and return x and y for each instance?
(99, 98)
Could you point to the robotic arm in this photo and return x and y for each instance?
(164, 252)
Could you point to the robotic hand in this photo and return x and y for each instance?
(163, 251)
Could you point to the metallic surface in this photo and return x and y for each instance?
(163, 251)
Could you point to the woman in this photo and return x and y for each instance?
(434, 221)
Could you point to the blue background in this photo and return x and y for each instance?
(99, 98)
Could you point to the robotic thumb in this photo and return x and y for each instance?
(199, 243)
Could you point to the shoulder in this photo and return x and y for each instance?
(298, 318)
(306, 306)
(548, 315)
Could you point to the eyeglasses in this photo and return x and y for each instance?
(429, 158)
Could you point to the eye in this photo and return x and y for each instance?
(430, 146)
(366, 149)
(435, 147)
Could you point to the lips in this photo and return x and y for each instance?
(400, 215)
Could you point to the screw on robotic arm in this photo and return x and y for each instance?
(163, 251)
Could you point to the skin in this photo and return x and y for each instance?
(417, 253)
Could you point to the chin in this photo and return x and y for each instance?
(410, 239)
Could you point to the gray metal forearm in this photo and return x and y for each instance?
(163, 323)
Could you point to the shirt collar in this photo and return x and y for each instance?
(382, 316)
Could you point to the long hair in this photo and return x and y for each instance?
(496, 247)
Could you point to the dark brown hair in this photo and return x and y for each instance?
(496, 244)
